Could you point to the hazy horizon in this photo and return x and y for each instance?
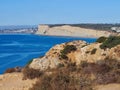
(34, 12)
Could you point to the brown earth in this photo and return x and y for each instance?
(13, 81)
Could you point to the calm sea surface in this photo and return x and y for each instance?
(17, 50)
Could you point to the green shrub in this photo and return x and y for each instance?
(110, 42)
(63, 56)
(101, 39)
(66, 50)
(93, 51)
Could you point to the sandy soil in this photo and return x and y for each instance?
(108, 87)
(14, 81)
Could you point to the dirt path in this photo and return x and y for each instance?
(14, 81)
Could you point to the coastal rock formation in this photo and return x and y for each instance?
(67, 30)
(84, 52)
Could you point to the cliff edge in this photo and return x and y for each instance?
(77, 51)
(67, 30)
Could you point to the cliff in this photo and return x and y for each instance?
(95, 66)
(67, 30)
(84, 52)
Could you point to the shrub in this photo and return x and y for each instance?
(109, 74)
(10, 70)
(69, 78)
(71, 67)
(101, 39)
(110, 42)
(84, 82)
(66, 50)
(56, 81)
(63, 56)
(83, 64)
(61, 80)
(110, 77)
(30, 73)
(93, 51)
(60, 65)
(43, 83)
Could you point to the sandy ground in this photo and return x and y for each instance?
(109, 87)
(14, 81)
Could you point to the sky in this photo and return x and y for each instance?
(34, 12)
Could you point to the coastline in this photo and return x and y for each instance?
(66, 36)
(38, 37)
(71, 31)
(48, 35)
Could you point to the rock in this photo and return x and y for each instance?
(83, 53)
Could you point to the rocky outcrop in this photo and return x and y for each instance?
(85, 52)
(67, 30)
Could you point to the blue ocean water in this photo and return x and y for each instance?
(18, 49)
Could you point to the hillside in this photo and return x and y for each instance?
(71, 30)
(83, 52)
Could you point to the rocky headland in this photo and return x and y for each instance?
(83, 52)
(74, 31)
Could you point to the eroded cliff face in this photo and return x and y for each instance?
(67, 30)
(84, 52)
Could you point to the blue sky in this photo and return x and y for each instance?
(31, 12)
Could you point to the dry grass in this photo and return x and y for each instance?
(30, 73)
(72, 77)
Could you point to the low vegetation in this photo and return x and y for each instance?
(72, 77)
(93, 51)
(30, 73)
(90, 26)
(110, 42)
(12, 70)
(66, 50)
(101, 39)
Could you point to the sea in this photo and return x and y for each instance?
(19, 49)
